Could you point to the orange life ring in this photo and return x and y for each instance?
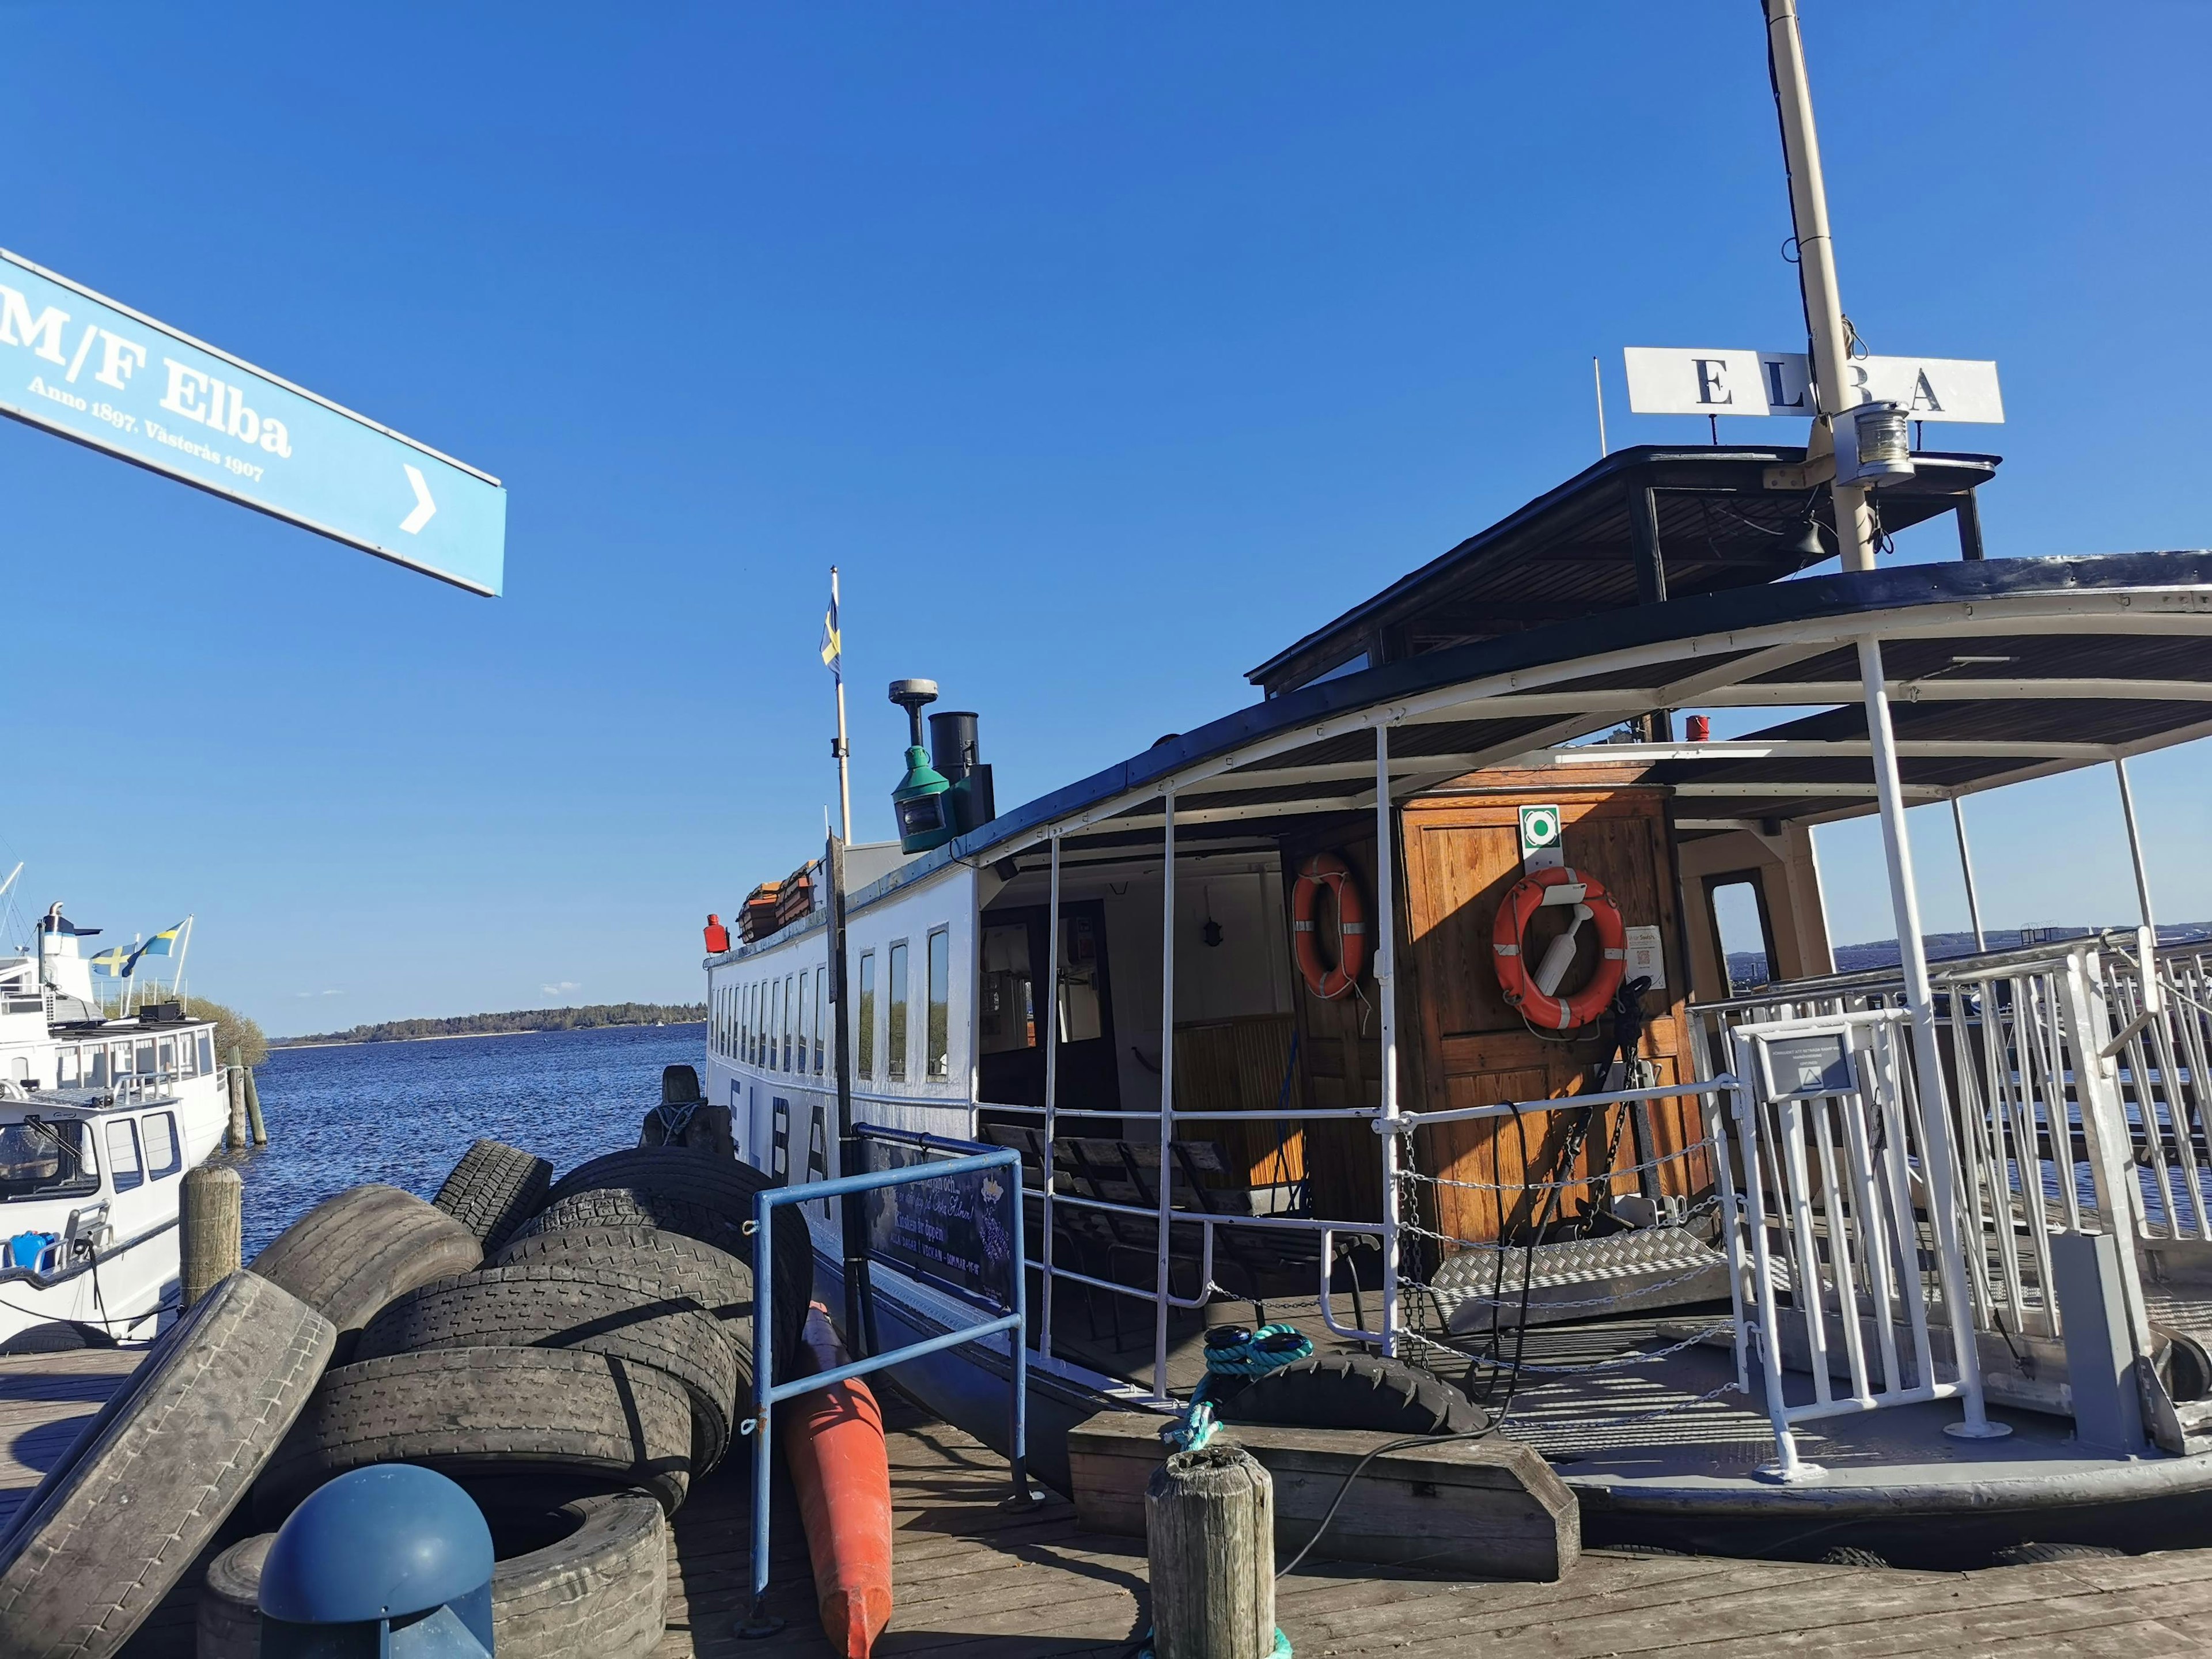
(1326, 870)
(1540, 1008)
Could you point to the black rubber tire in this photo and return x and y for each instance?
(494, 1189)
(227, 1622)
(680, 1264)
(582, 1305)
(575, 1422)
(118, 1521)
(2040, 1555)
(600, 1589)
(720, 1183)
(678, 1209)
(352, 1253)
(1355, 1391)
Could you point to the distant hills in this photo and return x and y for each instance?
(507, 1024)
(1748, 968)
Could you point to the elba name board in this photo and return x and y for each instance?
(1705, 381)
(88, 368)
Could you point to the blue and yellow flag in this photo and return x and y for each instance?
(163, 944)
(113, 963)
(833, 639)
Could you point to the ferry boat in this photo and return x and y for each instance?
(99, 1117)
(1397, 1005)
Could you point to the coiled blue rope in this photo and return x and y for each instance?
(1233, 1351)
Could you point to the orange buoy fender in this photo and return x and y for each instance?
(1326, 870)
(1515, 978)
(833, 1444)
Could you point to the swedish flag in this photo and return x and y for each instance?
(163, 944)
(833, 639)
(111, 963)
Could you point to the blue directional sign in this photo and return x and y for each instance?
(93, 370)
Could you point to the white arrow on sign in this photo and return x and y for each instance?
(425, 508)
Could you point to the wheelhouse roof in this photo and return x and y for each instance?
(1724, 518)
(1999, 669)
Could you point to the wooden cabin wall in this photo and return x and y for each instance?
(1461, 855)
(1789, 878)
(1242, 1064)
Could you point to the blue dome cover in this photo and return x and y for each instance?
(376, 1543)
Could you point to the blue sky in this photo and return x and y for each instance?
(1106, 348)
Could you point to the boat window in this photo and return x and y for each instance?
(821, 1016)
(760, 1018)
(169, 1056)
(940, 1010)
(895, 1039)
(1005, 1016)
(207, 1054)
(867, 1031)
(96, 1076)
(123, 1155)
(1743, 934)
(146, 1067)
(162, 1156)
(745, 1049)
(45, 1160)
(1079, 981)
(66, 1068)
(184, 1066)
(790, 1014)
(806, 985)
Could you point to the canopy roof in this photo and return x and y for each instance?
(2000, 670)
(1719, 519)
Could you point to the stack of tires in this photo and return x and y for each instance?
(575, 1354)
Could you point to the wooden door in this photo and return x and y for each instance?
(1461, 855)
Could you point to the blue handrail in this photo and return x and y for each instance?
(767, 1392)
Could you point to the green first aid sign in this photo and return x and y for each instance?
(1540, 837)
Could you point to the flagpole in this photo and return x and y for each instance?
(843, 751)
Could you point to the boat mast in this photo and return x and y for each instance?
(1816, 267)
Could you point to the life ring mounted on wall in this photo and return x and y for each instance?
(1534, 992)
(1326, 870)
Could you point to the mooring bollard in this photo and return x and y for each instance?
(212, 1215)
(253, 1111)
(1210, 1533)
(391, 1559)
(234, 1138)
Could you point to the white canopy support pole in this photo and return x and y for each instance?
(1386, 991)
(1166, 1177)
(2134, 842)
(1927, 1060)
(2146, 938)
(1050, 1014)
(1966, 869)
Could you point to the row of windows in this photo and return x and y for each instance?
(56, 1159)
(766, 1023)
(98, 1065)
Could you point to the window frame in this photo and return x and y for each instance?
(116, 1172)
(176, 1163)
(898, 974)
(865, 1006)
(936, 1006)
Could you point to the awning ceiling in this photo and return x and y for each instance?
(1999, 671)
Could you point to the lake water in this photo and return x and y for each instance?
(403, 1113)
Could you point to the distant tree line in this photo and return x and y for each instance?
(521, 1019)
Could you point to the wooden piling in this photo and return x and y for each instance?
(211, 1216)
(235, 1137)
(253, 1111)
(1209, 1533)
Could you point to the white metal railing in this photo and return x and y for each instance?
(1827, 1131)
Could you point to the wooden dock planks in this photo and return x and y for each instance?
(973, 1579)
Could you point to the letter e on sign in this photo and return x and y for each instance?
(1540, 839)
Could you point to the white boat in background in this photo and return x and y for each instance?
(100, 1118)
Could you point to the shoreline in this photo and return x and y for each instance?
(277, 1043)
